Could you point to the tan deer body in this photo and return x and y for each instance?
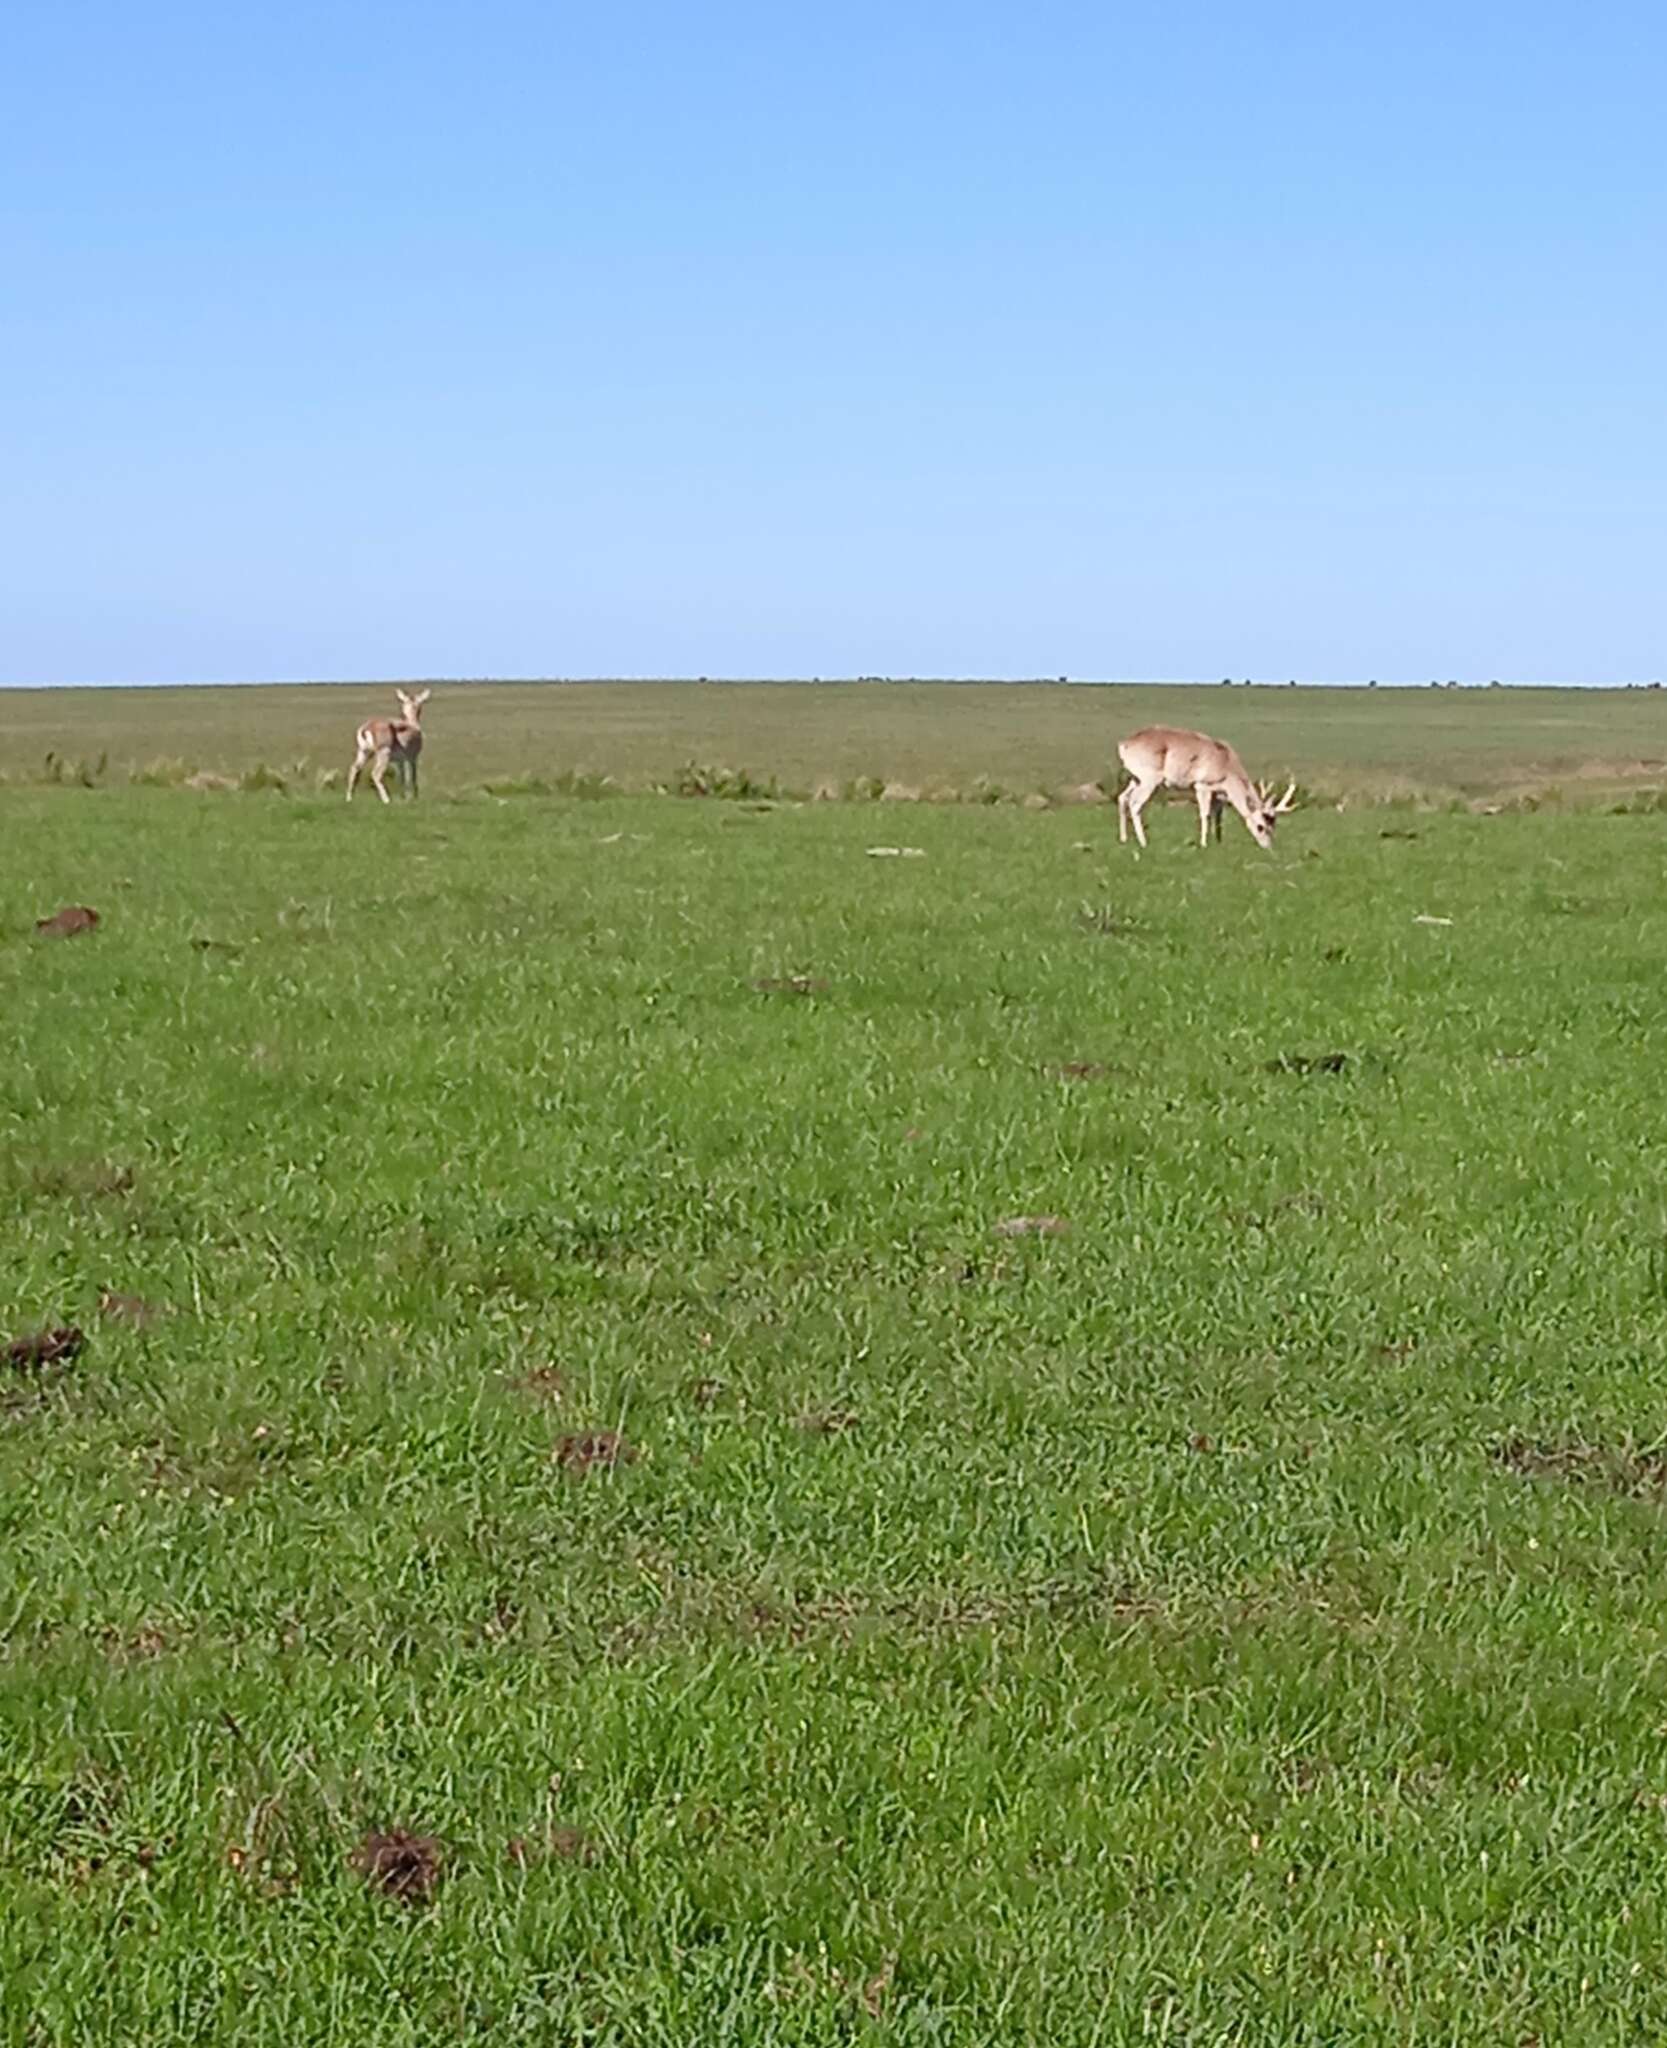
(1164, 757)
(399, 741)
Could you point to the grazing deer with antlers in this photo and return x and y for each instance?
(399, 740)
(1161, 757)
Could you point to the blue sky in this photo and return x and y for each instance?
(1157, 340)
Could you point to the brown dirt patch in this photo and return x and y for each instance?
(545, 1383)
(973, 1273)
(1307, 1063)
(1078, 1070)
(707, 1393)
(1615, 1468)
(68, 923)
(45, 1347)
(827, 1422)
(791, 985)
(404, 1866)
(587, 1450)
(1107, 924)
(1032, 1226)
(572, 1845)
(137, 1646)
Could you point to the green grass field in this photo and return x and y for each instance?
(1235, 1618)
(1439, 746)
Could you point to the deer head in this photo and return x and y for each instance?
(412, 706)
(1267, 813)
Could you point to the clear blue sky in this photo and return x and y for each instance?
(1156, 340)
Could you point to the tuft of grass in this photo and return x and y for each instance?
(582, 783)
(162, 771)
(696, 778)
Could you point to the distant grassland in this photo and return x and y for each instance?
(1436, 746)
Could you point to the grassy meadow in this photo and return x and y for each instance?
(1442, 747)
(564, 1389)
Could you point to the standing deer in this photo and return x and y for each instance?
(399, 740)
(1161, 757)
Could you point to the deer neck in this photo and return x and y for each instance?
(1240, 792)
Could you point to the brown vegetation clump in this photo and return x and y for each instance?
(67, 923)
(1307, 1063)
(790, 985)
(45, 1347)
(404, 1866)
(583, 1452)
(827, 1422)
(545, 1382)
(1032, 1226)
(1615, 1468)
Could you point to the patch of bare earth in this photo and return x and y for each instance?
(1106, 923)
(401, 1865)
(791, 985)
(591, 1450)
(135, 1646)
(1614, 1468)
(1032, 1226)
(45, 1347)
(1307, 1063)
(544, 1383)
(68, 923)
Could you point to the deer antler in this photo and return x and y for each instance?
(1286, 802)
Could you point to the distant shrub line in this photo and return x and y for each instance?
(715, 782)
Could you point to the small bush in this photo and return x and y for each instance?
(583, 783)
(82, 774)
(696, 778)
(166, 771)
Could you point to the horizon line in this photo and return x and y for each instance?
(825, 682)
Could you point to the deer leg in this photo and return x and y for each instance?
(1206, 811)
(359, 761)
(1123, 814)
(1140, 795)
(411, 772)
(378, 770)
